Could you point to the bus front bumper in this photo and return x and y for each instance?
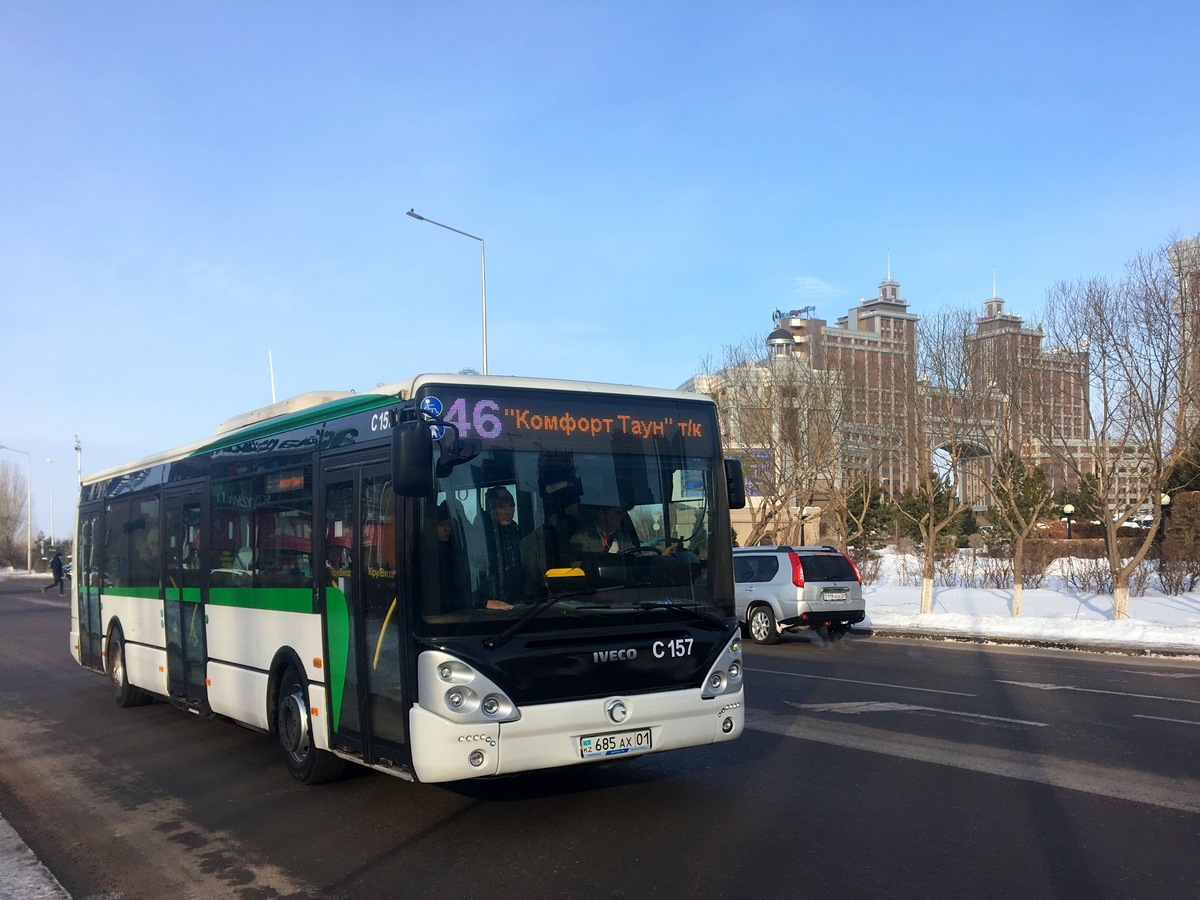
(563, 734)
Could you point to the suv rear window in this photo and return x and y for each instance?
(827, 567)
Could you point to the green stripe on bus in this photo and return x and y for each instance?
(298, 600)
(140, 593)
(334, 409)
(191, 595)
(337, 621)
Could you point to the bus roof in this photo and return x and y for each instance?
(410, 387)
(317, 406)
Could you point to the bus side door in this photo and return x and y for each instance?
(87, 576)
(366, 628)
(184, 595)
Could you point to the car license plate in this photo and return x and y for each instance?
(614, 743)
(835, 595)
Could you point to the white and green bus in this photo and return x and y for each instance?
(451, 577)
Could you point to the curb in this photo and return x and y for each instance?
(1139, 649)
(21, 873)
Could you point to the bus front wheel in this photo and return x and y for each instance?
(123, 692)
(293, 726)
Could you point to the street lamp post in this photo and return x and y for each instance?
(50, 465)
(28, 506)
(482, 271)
(1068, 511)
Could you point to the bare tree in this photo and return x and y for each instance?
(1136, 333)
(854, 507)
(13, 517)
(785, 419)
(1021, 493)
(944, 422)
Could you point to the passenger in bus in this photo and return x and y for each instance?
(191, 559)
(451, 573)
(504, 581)
(547, 546)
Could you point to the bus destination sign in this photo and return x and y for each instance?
(576, 419)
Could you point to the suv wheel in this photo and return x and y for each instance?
(761, 621)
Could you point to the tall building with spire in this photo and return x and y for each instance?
(870, 356)
(874, 348)
(1041, 391)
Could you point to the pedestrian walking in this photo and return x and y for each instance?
(56, 569)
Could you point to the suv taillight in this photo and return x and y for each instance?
(855, 568)
(797, 569)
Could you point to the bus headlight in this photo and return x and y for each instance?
(462, 700)
(497, 706)
(725, 677)
(451, 688)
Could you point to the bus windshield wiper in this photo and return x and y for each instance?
(690, 610)
(503, 636)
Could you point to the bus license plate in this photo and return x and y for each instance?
(614, 743)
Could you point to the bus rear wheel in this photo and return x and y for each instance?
(123, 692)
(293, 726)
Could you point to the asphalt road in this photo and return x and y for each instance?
(871, 768)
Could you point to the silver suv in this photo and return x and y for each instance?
(780, 589)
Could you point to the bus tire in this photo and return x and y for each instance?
(293, 727)
(124, 693)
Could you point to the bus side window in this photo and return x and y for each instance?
(231, 534)
(144, 547)
(116, 543)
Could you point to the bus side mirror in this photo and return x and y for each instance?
(412, 459)
(735, 483)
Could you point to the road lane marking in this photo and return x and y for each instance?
(870, 706)
(1070, 687)
(1164, 719)
(900, 687)
(1152, 674)
(1090, 778)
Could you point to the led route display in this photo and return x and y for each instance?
(573, 420)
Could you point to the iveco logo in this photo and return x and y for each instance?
(614, 655)
(617, 710)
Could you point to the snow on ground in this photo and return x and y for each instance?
(1055, 614)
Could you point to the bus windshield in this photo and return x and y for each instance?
(608, 525)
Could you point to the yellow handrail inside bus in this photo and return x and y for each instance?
(383, 628)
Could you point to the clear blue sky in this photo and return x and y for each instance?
(185, 186)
